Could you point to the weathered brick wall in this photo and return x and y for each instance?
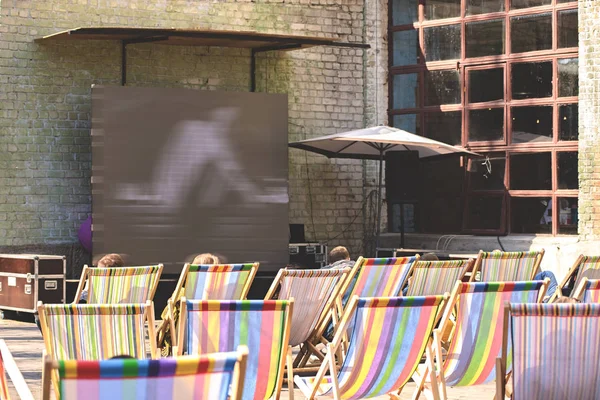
(45, 101)
(589, 120)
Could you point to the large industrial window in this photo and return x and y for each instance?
(500, 78)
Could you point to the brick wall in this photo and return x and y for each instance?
(589, 120)
(45, 101)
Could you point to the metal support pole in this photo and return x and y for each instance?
(123, 63)
(379, 200)
(253, 71)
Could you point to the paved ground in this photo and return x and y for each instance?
(25, 343)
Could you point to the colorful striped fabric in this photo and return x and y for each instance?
(436, 277)
(556, 351)
(498, 266)
(206, 377)
(382, 277)
(311, 290)
(477, 341)
(386, 346)
(591, 292)
(3, 381)
(217, 282)
(588, 263)
(123, 285)
(95, 332)
(218, 326)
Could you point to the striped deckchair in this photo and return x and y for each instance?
(208, 377)
(555, 351)
(7, 364)
(389, 338)
(588, 291)
(499, 266)
(437, 277)
(206, 282)
(584, 267)
(315, 292)
(208, 326)
(124, 285)
(477, 338)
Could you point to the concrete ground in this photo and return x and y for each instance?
(25, 343)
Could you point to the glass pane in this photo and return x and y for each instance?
(486, 125)
(567, 29)
(406, 91)
(438, 9)
(405, 47)
(531, 124)
(568, 215)
(484, 6)
(486, 85)
(568, 117)
(567, 163)
(442, 87)
(407, 122)
(531, 215)
(404, 12)
(445, 127)
(485, 38)
(484, 213)
(531, 32)
(532, 80)
(442, 42)
(566, 1)
(528, 3)
(532, 171)
(487, 174)
(568, 77)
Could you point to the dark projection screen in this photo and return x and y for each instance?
(177, 172)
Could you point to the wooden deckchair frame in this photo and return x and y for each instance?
(83, 281)
(307, 348)
(572, 274)
(286, 350)
(237, 380)
(536, 267)
(579, 291)
(47, 336)
(14, 373)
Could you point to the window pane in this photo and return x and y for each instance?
(567, 28)
(406, 91)
(484, 6)
(532, 171)
(531, 80)
(568, 77)
(442, 42)
(568, 117)
(442, 87)
(567, 163)
(405, 47)
(531, 124)
(487, 174)
(568, 215)
(445, 127)
(531, 32)
(404, 12)
(438, 9)
(486, 85)
(484, 213)
(528, 3)
(486, 125)
(566, 1)
(408, 122)
(531, 215)
(485, 38)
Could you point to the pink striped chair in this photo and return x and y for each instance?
(588, 291)
(8, 365)
(584, 267)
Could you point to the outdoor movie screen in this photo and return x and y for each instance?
(178, 172)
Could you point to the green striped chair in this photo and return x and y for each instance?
(501, 266)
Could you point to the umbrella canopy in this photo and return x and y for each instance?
(372, 143)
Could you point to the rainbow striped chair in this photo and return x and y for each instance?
(588, 291)
(124, 285)
(537, 333)
(389, 338)
(208, 377)
(431, 278)
(7, 364)
(477, 337)
(584, 267)
(500, 266)
(208, 326)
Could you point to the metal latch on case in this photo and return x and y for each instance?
(50, 285)
(28, 277)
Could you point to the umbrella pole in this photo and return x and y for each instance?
(379, 201)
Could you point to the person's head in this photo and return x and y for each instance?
(338, 253)
(429, 257)
(206, 258)
(122, 357)
(567, 300)
(111, 261)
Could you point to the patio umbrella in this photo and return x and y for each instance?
(372, 144)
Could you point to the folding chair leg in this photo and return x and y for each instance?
(290, 373)
(435, 389)
(333, 372)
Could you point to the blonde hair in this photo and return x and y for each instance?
(338, 253)
(206, 258)
(112, 260)
(567, 300)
